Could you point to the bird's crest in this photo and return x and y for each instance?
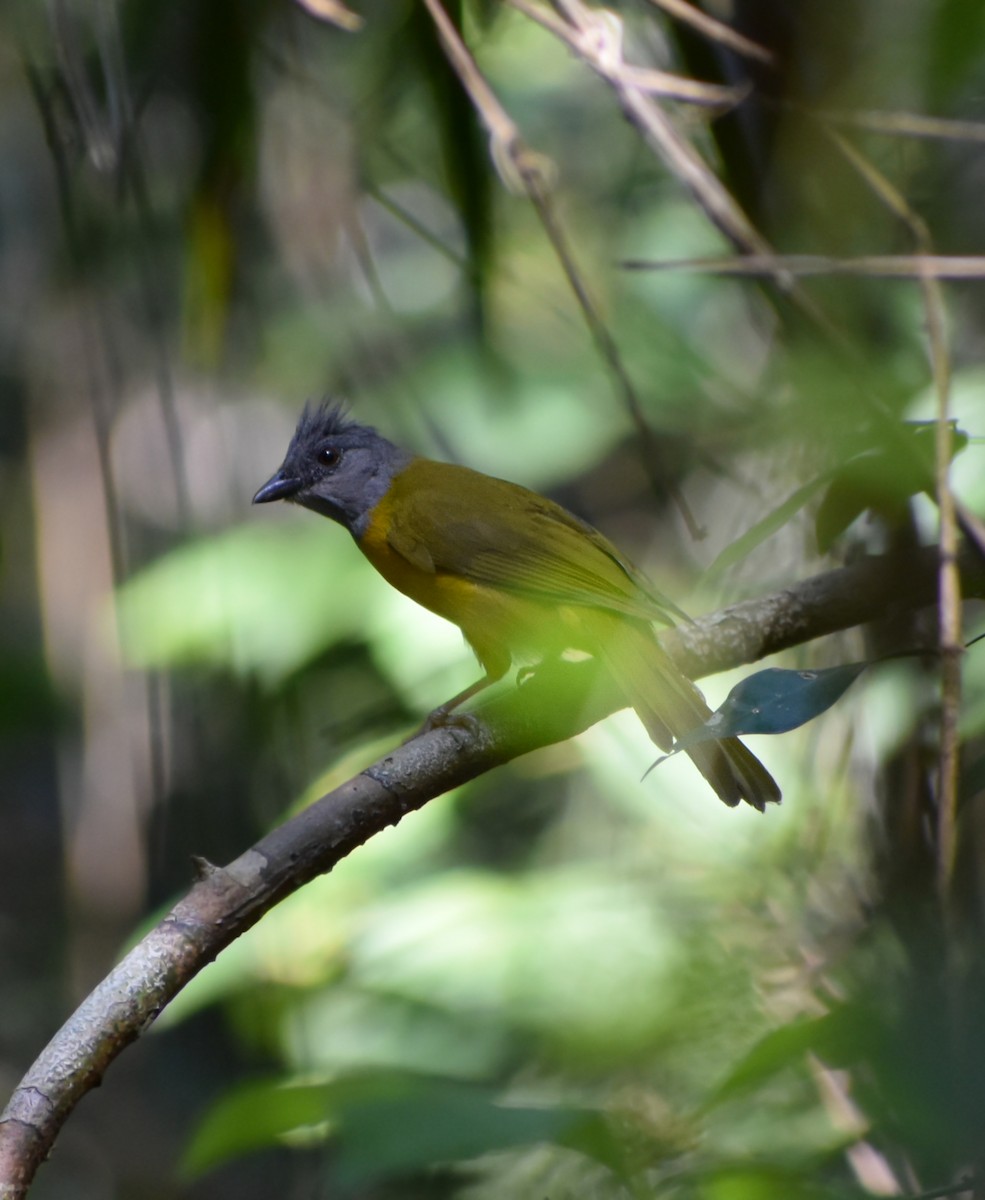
(327, 419)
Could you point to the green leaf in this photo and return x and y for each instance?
(28, 699)
(253, 600)
(408, 1124)
(384, 1124)
(763, 1181)
(770, 524)
(252, 1117)
(837, 1037)
(882, 478)
(877, 476)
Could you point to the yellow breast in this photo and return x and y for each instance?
(500, 623)
(444, 594)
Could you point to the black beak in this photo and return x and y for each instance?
(278, 487)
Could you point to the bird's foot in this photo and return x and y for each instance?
(445, 718)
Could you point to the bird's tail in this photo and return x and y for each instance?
(669, 705)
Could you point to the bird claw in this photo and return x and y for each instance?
(442, 718)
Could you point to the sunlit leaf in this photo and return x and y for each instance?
(262, 600)
(762, 1181)
(513, 948)
(346, 1027)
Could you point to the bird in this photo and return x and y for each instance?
(524, 579)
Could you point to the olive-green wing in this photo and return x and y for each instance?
(450, 519)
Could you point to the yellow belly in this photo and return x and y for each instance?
(447, 595)
(501, 626)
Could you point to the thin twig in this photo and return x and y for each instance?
(965, 1184)
(500, 125)
(334, 12)
(949, 600)
(113, 146)
(363, 254)
(715, 30)
(654, 82)
(904, 124)
(596, 36)
(870, 1167)
(607, 347)
(526, 170)
(102, 375)
(873, 266)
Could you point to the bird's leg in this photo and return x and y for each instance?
(444, 715)
(495, 661)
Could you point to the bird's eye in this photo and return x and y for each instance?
(329, 456)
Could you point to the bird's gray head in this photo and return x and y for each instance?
(335, 467)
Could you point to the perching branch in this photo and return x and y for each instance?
(226, 901)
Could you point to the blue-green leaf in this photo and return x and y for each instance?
(772, 701)
(776, 700)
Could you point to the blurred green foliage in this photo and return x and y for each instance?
(559, 981)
